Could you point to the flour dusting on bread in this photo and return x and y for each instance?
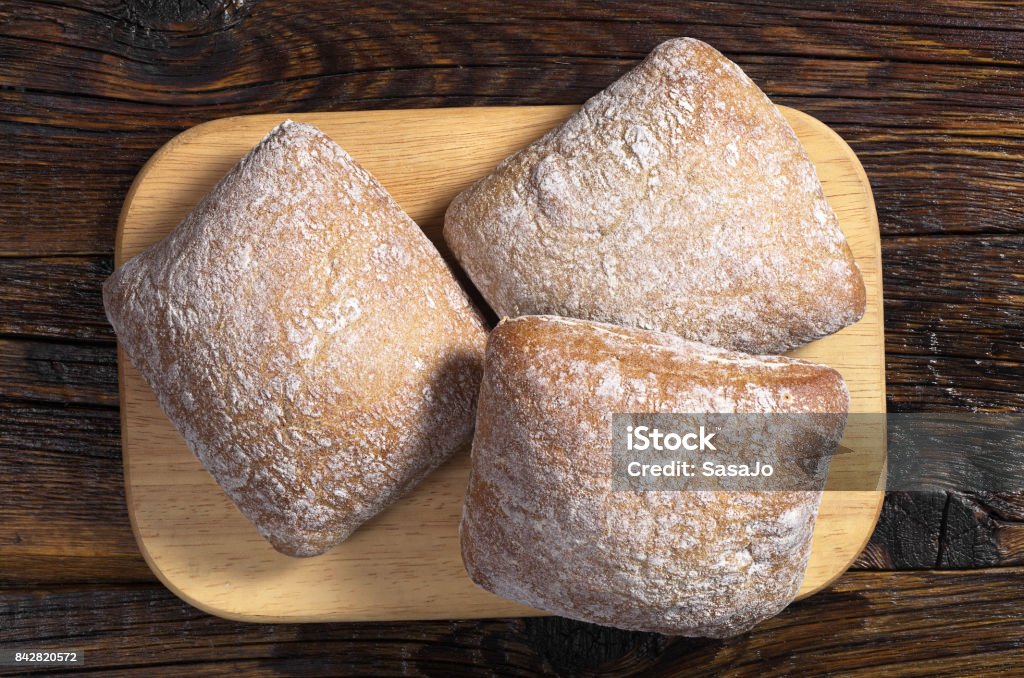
(542, 524)
(305, 338)
(677, 199)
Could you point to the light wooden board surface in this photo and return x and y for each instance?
(405, 563)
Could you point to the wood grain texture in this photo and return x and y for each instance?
(54, 297)
(406, 564)
(867, 624)
(62, 510)
(929, 95)
(58, 373)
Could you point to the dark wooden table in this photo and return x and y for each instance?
(929, 95)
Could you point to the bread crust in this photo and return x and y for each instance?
(677, 199)
(305, 338)
(542, 525)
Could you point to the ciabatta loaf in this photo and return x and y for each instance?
(678, 199)
(305, 338)
(543, 524)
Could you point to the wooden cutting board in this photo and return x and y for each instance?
(405, 563)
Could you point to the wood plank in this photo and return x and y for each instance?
(867, 623)
(65, 519)
(57, 372)
(957, 333)
(909, 532)
(982, 528)
(54, 297)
